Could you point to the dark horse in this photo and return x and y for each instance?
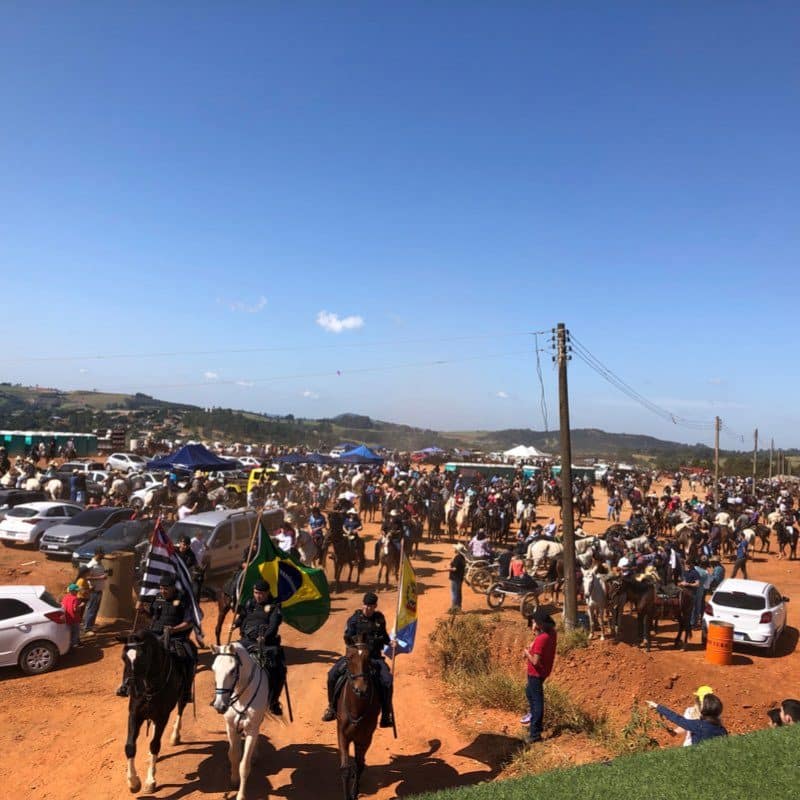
(157, 685)
(356, 717)
(225, 597)
(651, 607)
(348, 551)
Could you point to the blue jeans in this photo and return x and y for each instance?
(455, 594)
(92, 607)
(534, 691)
(699, 604)
(74, 634)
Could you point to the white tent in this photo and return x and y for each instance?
(523, 452)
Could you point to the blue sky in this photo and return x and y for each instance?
(181, 181)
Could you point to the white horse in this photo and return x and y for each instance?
(541, 550)
(307, 547)
(241, 693)
(54, 488)
(594, 590)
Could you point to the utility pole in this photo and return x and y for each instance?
(568, 538)
(717, 422)
(755, 459)
(771, 453)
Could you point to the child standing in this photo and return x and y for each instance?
(73, 610)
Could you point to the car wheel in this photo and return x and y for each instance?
(772, 650)
(37, 658)
(6, 543)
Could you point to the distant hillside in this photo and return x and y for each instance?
(37, 408)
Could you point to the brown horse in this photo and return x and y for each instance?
(642, 594)
(356, 717)
(388, 561)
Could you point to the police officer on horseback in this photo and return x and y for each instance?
(171, 618)
(259, 620)
(367, 625)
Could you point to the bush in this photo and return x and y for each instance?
(460, 645)
(575, 639)
(493, 689)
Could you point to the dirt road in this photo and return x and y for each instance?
(63, 733)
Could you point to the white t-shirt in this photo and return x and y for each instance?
(690, 713)
(183, 512)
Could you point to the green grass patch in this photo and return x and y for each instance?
(762, 764)
(575, 639)
(460, 645)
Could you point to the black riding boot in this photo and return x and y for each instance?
(277, 676)
(387, 715)
(330, 711)
(124, 688)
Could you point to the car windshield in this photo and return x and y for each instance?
(740, 600)
(95, 516)
(21, 511)
(187, 529)
(130, 529)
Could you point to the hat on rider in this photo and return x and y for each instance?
(166, 580)
(370, 599)
(394, 513)
(261, 586)
(353, 511)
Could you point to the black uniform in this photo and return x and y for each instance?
(372, 630)
(259, 624)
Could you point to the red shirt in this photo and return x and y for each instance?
(545, 645)
(72, 611)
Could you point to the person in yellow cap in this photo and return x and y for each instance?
(693, 712)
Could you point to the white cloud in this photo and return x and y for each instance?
(502, 395)
(83, 370)
(246, 308)
(210, 376)
(310, 395)
(246, 384)
(333, 324)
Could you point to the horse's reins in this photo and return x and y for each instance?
(351, 678)
(234, 698)
(148, 696)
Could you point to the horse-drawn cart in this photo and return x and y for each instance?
(525, 590)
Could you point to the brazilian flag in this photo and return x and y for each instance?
(302, 591)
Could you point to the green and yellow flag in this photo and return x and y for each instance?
(302, 591)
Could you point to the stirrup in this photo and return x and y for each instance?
(276, 708)
(122, 689)
(329, 715)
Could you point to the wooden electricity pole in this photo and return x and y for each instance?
(771, 453)
(717, 422)
(755, 459)
(568, 530)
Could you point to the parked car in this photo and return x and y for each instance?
(15, 497)
(249, 462)
(123, 536)
(227, 533)
(63, 539)
(33, 630)
(81, 466)
(126, 462)
(757, 611)
(25, 523)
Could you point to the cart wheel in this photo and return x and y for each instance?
(495, 597)
(481, 581)
(529, 604)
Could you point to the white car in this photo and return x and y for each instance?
(33, 630)
(249, 461)
(757, 611)
(126, 462)
(25, 524)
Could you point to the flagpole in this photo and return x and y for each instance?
(146, 561)
(237, 598)
(401, 572)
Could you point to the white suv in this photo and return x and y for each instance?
(33, 630)
(126, 462)
(757, 611)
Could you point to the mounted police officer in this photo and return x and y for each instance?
(368, 625)
(259, 620)
(392, 533)
(171, 617)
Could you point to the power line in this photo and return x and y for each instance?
(542, 399)
(333, 373)
(248, 350)
(583, 353)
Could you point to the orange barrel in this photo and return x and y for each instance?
(719, 643)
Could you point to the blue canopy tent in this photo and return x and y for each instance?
(361, 455)
(192, 457)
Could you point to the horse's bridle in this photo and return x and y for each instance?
(147, 692)
(233, 698)
(353, 677)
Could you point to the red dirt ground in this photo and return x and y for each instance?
(63, 733)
